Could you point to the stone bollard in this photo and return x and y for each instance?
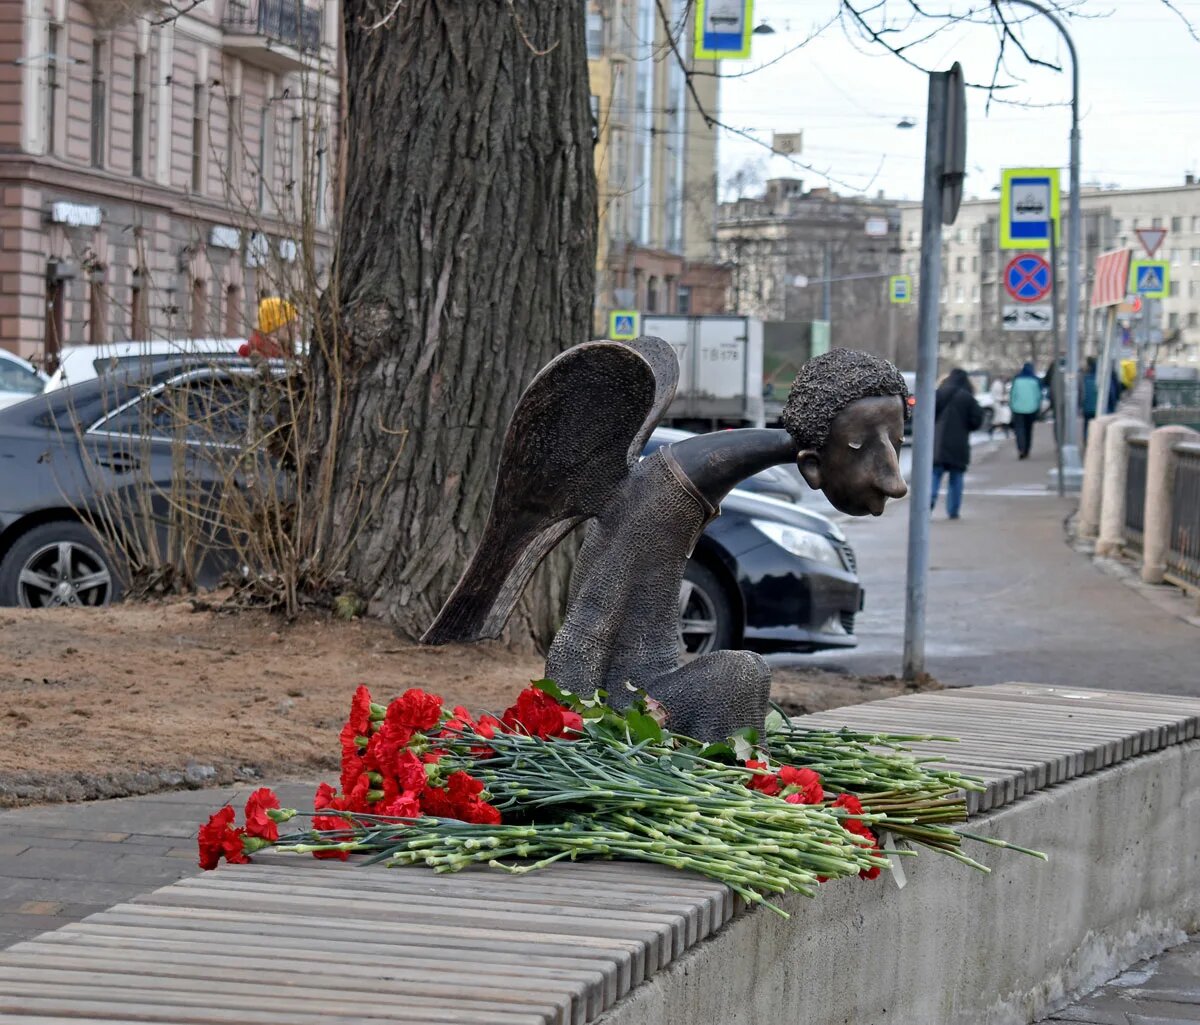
(1160, 483)
(1112, 494)
(1093, 476)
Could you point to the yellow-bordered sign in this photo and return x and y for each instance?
(900, 288)
(1151, 279)
(723, 29)
(624, 325)
(1029, 202)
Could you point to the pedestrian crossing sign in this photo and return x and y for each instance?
(1150, 279)
(624, 325)
(900, 288)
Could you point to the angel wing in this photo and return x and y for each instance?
(578, 428)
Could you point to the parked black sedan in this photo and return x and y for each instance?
(116, 451)
(765, 574)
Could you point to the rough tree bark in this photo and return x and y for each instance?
(465, 261)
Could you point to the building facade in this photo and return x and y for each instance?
(160, 176)
(656, 160)
(972, 292)
(803, 255)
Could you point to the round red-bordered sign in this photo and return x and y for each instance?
(1027, 278)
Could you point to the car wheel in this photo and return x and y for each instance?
(705, 612)
(58, 564)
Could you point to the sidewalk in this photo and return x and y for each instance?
(62, 862)
(1008, 598)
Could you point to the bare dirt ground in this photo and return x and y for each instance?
(141, 698)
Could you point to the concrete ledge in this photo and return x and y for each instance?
(955, 948)
(1108, 784)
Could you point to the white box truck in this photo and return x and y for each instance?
(720, 370)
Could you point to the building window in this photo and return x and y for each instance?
(198, 137)
(960, 264)
(958, 293)
(322, 155)
(1177, 224)
(1194, 320)
(1156, 222)
(264, 154)
(974, 263)
(233, 312)
(669, 292)
(594, 105)
(595, 33)
(96, 309)
(683, 299)
(652, 295)
(137, 309)
(958, 321)
(975, 293)
(233, 141)
(1172, 320)
(199, 308)
(99, 104)
(1194, 289)
(138, 142)
(1116, 226)
(1196, 224)
(52, 42)
(1195, 256)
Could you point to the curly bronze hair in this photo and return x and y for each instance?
(828, 383)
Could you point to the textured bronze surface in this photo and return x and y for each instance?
(572, 453)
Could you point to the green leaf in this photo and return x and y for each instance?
(561, 696)
(775, 721)
(642, 726)
(718, 752)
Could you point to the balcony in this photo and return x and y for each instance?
(278, 35)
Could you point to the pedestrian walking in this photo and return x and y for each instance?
(956, 414)
(1089, 394)
(1001, 412)
(1025, 399)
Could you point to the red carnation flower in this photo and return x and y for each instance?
(211, 840)
(463, 787)
(859, 828)
(233, 848)
(462, 721)
(409, 771)
(479, 812)
(763, 780)
(327, 797)
(804, 784)
(539, 715)
(402, 806)
(415, 709)
(258, 822)
(436, 802)
(360, 712)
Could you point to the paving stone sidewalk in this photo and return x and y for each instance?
(62, 862)
(1164, 990)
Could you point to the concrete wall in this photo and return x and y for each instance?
(956, 947)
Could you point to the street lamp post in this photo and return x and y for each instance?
(1072, 466)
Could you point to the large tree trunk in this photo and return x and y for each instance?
(465, 261)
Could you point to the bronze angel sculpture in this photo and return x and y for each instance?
(573, 453)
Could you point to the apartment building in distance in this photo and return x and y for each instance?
(154, 171)
(656, 161)
(792, 249)
(972, 293)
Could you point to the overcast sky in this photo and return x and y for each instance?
(1139, 90)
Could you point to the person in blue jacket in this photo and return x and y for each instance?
(1025, 399)
(1089, 393)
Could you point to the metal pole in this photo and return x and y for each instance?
(827, 288)
(1071, 382)
(928, 312)
(1057, 387)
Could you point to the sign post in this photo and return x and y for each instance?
(1111, 277)
(1029, 207)
(945, 163)
(900, 288)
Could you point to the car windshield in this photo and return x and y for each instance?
(14, 377)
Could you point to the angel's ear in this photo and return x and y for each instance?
(809, 464)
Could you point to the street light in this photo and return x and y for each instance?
(1072, 466)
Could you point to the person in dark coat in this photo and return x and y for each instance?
(957, 415)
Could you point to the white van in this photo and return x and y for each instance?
(78, 363)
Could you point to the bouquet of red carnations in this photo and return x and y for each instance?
(558, 776)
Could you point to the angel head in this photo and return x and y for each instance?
(846, 411)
